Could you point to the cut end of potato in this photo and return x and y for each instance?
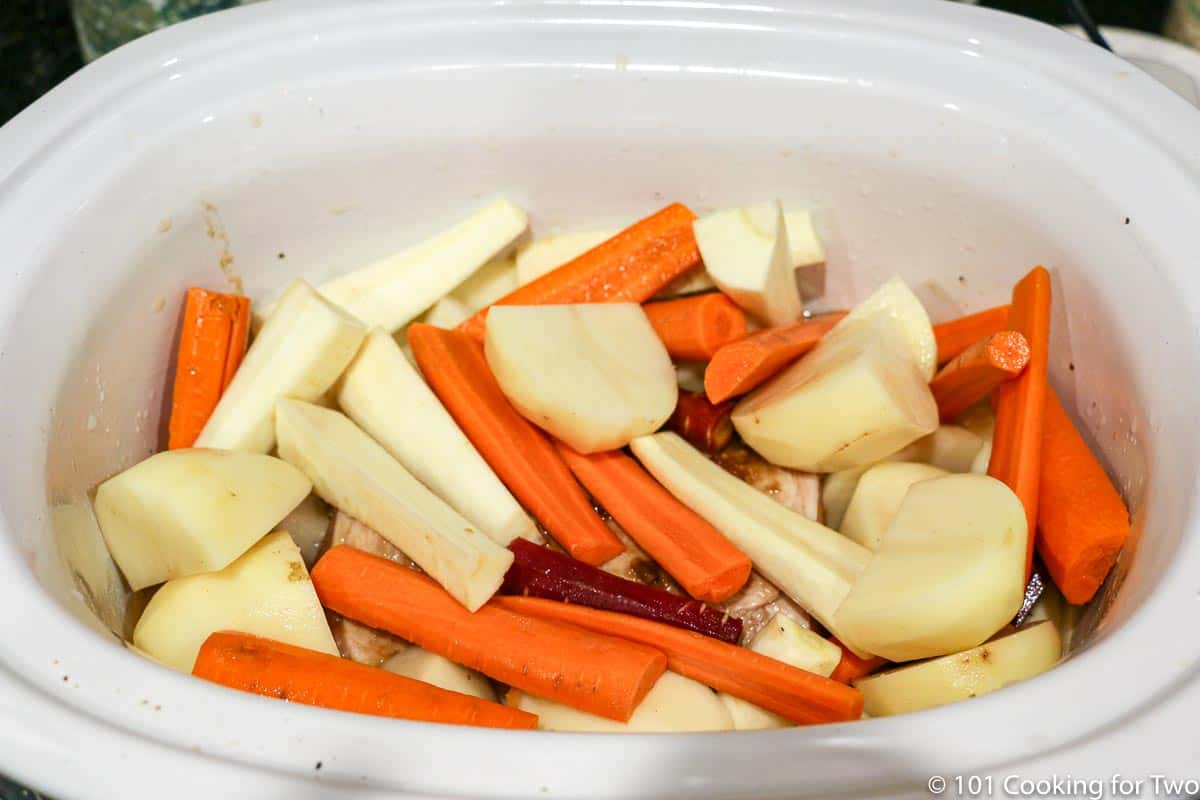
(593, 375)
(878, 497)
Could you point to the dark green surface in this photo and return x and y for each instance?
(38, 49)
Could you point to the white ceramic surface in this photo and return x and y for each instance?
(949, 144)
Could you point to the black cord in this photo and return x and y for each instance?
(1083, 19)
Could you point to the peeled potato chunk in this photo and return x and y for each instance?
(301, 350)
(950, 447)
(746, 253)
(674, 704)
(355, 474)
(949, 573)
(896, 301)
(786, 640)
(855, 399)
(187, 511)
(877, 498)
(422, 665)
(1008, 658)
(266, 592)
(593, 375)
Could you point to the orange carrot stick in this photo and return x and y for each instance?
(212, 342)
(707, 426)
(1082, 520)
(801, 696)
(274, 669)
(631, 267)
(696, 554)
(456, 369)
(697, 327)
(739, 367)
(600, 674)
(1021, 402)
(958, 334)
(975, 372)
(852, 667)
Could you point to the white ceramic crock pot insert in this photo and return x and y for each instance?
(953, 146)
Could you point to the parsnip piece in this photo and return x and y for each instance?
(674, 704)
(301, 350)
(355, 474)
(746, 253)
(786, 640)
(446, 313)
(395, 290)
(896, 301)
(1009, 658)
(384, 394)
(265, 592)
(949, 573)
(804, 246)
(423, 665)
(181, 512)
(854, 400)
(814, 565)
(877, 498)
(950, 447)
(593, 375)
(551, 252)
(489, 283)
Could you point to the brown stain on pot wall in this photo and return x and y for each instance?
(214, 228)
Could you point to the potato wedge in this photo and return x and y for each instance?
(1010, 657)
(854, 400)
(949, 573)
(422, 665)
(896, 301)
(804, 246)
(395, 290)
(265, 592)
(674, 704)
(301, 350)
(593, 375)
(877, 498)
(355, 474)
(814, 565)
(384, 394)
(950, 447)
(182, 512)
(489, 283)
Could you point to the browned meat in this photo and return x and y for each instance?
(799, 491)
(345, 529)
(635, 565)
(757, 602)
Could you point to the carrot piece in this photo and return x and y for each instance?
(522, 456)
(600, 674)
(1021, 402)
(958, 334)
(274, 669)
(801, 696)
(1082, 520)
(739, 367)
(216, 328)
(975, 372)
(707, 426)
(697, 327)
(693, 552)
(631, 267)
(852, 667)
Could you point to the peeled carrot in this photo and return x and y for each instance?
(800, 696)
(693, 552)
(1021, 403)
(274, 669)
(707, 426)
(522, 456)
(697, 327)
(958, 334)
(631, 267)
(216, 328)
(741, 366)
(595, 673)
(851, 667)
(1082, 520)
(975, 372)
